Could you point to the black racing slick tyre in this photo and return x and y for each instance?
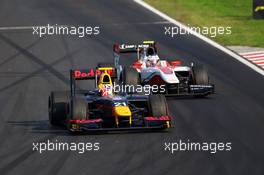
(58, 107)
(158, 105)
(105, 65)
(200, 75)
(80, 109)
(130, 79)
(130, 76)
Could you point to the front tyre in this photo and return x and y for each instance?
(158, 105)
(200, 75)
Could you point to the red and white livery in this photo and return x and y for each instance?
(150, 69)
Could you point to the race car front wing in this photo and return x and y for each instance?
(190, 90)
(149, 123)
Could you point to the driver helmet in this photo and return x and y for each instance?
(106, 91)
(152, 57)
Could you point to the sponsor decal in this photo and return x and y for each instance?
(258, 9)
(200, 87)
(90, 73)
(131, 46)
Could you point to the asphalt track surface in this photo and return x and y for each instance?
(31, 67)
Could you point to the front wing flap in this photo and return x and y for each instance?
(150, 123)
(194, 90)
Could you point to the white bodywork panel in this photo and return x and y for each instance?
(165, 72)
(182, 68)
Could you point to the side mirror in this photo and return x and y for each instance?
(116, 48)
(175, 63)
(137, 65)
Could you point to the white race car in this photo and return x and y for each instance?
(149, 69)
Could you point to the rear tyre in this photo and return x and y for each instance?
(80, 109)
(200, 75)
(131, 76)
(58, 107)
(158, 105)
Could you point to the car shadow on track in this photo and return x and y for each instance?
(191, 98)
(38, 126)
(44, 127)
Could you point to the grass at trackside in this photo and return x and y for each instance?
(234, 13)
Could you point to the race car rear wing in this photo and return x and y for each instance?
(89, 74)
(130, 48)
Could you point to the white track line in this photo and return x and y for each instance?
(209, 41)
(142, 23)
